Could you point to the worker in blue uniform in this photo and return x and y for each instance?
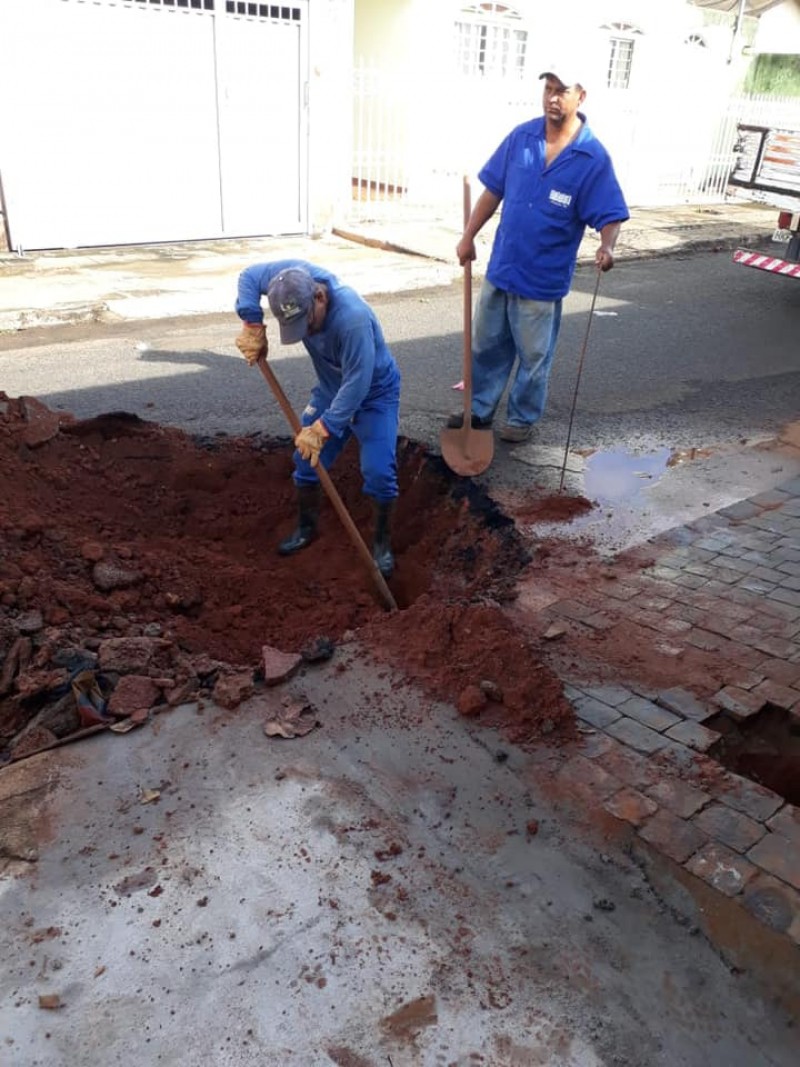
(553, 178)
(357, 391)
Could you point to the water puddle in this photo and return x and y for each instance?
(636, 496)
(619, 476)
(623, 512)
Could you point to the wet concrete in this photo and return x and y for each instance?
(641, 493)
(375, 893)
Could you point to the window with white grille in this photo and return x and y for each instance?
(620, 61)
(490, 40)
(696, 40)
(620, 56)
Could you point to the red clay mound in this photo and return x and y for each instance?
(473, 655)
(117, 528)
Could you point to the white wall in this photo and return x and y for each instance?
(779, 31)
(384, 31)
(330, 110)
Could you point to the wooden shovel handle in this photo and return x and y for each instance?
(330, 490)
(467, 326)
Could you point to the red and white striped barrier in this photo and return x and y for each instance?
(770, 263)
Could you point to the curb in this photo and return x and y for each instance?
(18, 321)
(76, 314)
(701, 244)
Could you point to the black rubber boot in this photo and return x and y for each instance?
(382, 547)
(308, 499)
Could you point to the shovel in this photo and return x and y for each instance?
(331, 492)
(467, 451)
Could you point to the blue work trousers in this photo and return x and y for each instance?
(505, 328)
(375, 428)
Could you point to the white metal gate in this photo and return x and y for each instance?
(132, 121)
(262, 78)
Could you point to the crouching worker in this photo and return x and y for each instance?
(357, 390)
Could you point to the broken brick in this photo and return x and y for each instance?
(231, 689)
(133, 692)
(278, 666)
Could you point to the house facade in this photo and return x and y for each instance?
(658, 74)
(152, 121)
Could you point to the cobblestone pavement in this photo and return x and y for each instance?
(717, 604)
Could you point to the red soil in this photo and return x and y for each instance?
(187, 529)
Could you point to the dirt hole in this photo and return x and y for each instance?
(118, 528)
(764, 748)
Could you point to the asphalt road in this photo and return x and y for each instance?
(690, 352)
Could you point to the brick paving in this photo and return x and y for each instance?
(727, 588)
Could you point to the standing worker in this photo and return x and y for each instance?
(554, 178)
(357, 390)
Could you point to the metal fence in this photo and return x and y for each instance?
(411, 146)
(703, 174)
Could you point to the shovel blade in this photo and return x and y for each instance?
(467, 451)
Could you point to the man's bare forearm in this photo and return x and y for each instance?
(485, 206)
(609, 234)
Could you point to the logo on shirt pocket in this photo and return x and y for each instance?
(560, 199)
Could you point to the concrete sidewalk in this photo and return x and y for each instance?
(197, 278)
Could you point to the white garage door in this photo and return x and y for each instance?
(152, 120)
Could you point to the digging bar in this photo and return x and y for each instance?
(578, 380)
(330, 491)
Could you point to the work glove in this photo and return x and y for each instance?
(310, 441)
(252, 342)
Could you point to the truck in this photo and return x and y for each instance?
(766, 170)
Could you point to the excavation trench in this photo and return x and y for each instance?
(115, 529)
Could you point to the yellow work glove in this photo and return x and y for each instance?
(309, 442)
(252, 342)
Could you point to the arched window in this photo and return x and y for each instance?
(696, 40)
(490, 40)
(620, 58)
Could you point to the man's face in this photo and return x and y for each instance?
(560, 102)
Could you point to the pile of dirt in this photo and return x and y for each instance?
(548, 507)
(474, 656)
(115, 530)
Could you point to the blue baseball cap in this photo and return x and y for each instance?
(291, 297)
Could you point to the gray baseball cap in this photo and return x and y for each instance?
(291, 297)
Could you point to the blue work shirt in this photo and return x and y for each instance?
(350, 356)
(547, 209)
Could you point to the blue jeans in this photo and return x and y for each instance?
(375, 428)
(507, 327)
